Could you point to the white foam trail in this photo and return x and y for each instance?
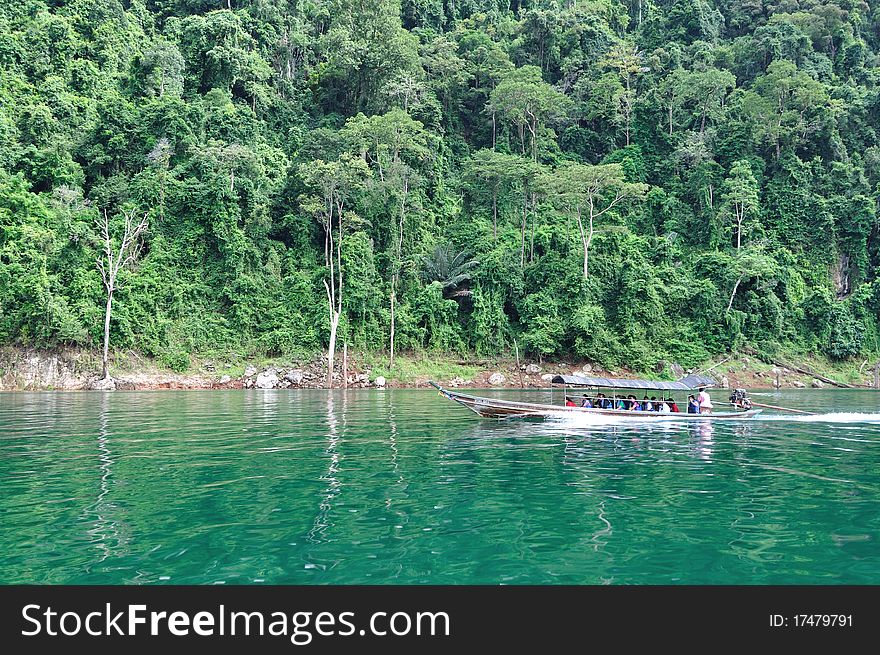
(587, 419)
(831, 417)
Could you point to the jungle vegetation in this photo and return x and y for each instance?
(625, 181)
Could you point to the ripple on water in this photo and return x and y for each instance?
(402, 486)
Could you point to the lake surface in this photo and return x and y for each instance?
(403, 486)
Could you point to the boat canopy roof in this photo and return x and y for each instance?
(688, 383)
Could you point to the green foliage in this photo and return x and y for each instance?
(456, 153)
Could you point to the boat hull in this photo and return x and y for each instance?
(498, 408)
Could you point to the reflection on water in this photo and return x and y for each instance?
(106, 532)
(403, 486)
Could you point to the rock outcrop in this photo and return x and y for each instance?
(266, 380)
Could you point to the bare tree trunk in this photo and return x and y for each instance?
(331, 348)
(733, 294)
(345, 365)
(495, 214)
(397, 264)
(584, 243)
(391, 358)
(587, 247)
(877, 376)
(518, 369)
(105, 367)
(532, 237)
(110, 262)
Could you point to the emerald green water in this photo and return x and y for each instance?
(406, 487)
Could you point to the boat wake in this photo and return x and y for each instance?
(585, 419)
(831, 417)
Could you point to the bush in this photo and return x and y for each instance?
(178, 361)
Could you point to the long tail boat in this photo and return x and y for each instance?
(589, 387)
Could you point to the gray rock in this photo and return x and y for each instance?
(294, 376)
(725, 382)
(533, 369)
(103, 384)
(379, 381)
(496, 378)
(266, 380)
(777, 383)
(817, 384)
(250, 371)
(798, 384)
(588, 368)
(225, 379)
(547, 377)
(677, 369)
(284, 384)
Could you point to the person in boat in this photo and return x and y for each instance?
(672, 406)
(646, 404)
(569, 402)
(622, 404)
(586, 402)
(704, 401)
(655, 404)
(663, 407)
(693, 405)
(602, 402)
(636, 406)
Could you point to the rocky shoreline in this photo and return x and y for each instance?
(34, 370)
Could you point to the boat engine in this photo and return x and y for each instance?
(740, 398)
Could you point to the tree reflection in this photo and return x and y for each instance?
(107, 532)
(317, 534)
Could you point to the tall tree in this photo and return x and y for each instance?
(493, 171)
(334, 184)
(741, 195)
(594, 190)
(626, 60)
(115, 256)
(395, 145)
(528, 103)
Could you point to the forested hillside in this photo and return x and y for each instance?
(626, 182)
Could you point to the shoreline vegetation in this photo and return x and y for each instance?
(628, 184)
(27, 369)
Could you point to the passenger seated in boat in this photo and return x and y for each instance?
(663, 407)
(693, 405)
(622, 404)
(635, 405)
(586, 402)
(672, 406)
(704, 401)
(602, 402)
(646, 404)
(569, 402)
(654, 404)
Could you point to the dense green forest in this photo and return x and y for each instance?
(627, 182)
